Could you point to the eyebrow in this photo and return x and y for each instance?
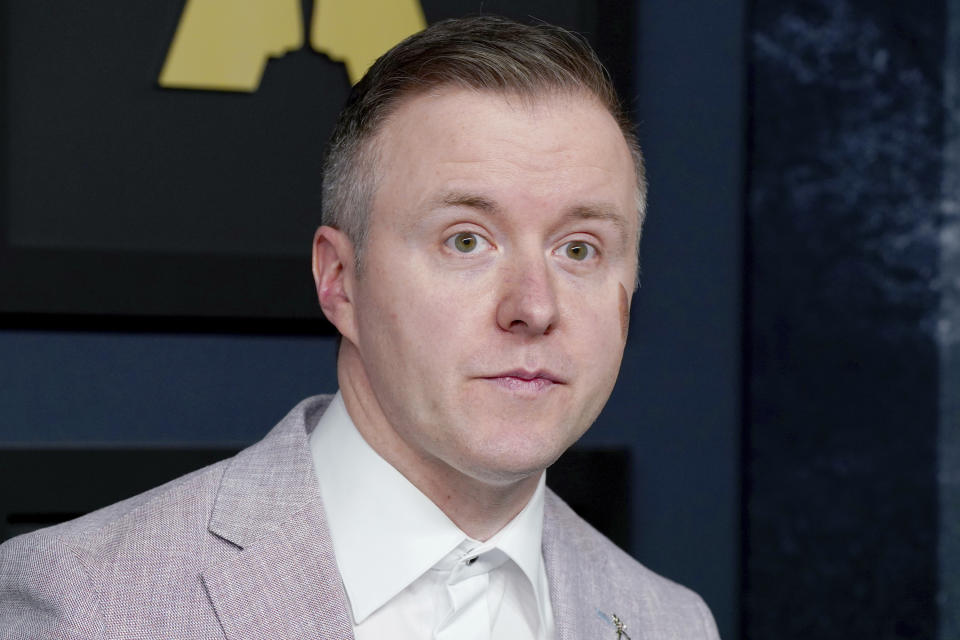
(469, 200)
(483, 204)
(597, 212)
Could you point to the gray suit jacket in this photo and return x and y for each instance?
(241, 550)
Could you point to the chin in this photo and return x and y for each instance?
(504, 475)
(512, 462)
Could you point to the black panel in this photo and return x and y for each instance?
(42, 487)
(122, 201)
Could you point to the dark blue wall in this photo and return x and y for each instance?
(682, 374)
(133, 389)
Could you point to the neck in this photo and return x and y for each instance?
(480, 507)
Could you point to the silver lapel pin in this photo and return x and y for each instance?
(621, 628)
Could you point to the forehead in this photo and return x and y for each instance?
(547, 147)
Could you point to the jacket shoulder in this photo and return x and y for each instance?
(59, 581)
(151, 514)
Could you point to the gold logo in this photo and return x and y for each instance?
(224, 45)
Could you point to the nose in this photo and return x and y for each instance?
(528, 299)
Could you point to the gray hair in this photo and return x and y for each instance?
(482, 53)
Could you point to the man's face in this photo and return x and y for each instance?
(491, 311)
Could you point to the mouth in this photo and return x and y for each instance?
(526, 381)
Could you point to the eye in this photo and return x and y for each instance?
(465, 242)
(579, 250)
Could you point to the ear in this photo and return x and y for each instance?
(334, 277)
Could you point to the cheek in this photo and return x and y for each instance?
(426, 317)
(601, 323)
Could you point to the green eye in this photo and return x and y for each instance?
(465, 242)
(578, 250)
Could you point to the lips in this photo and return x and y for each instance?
(524, 374)
(526, 380)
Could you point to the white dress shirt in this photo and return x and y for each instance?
(403, 560)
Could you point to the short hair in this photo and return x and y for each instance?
(481, 52)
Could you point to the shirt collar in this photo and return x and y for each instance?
(521, 538)
(385, 532)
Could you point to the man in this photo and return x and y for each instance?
(482, 207)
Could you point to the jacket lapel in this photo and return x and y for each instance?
(284, 585)
(283, 582)
(576, 600)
